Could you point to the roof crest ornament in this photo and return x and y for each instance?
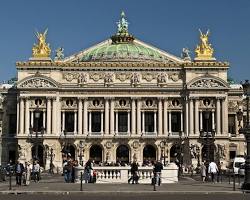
(42, 49)
(204, 50)
(122, 35)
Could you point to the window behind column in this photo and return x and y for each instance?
(149, 121)
(231, 124)
(176, 121)
(69, 121)
(122, 121)
(96, 122)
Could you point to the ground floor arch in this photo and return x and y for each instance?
(208, 152)
(149, 154)
(96, 153)
(38, 154)
(122, 154)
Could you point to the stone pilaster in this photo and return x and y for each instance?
(27, 116)
(159, 116)
(165, 117)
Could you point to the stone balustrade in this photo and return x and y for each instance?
(110, 174)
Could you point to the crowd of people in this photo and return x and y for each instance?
(211, 171)
(24, 173)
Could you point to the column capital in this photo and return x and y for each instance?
(108, 98)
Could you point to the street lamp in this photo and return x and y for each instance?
(180, 151)
(206, 117)
(198, 155)
(37, 114)
(81, 146)
(246, 132)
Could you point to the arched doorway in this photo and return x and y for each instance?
(122, 155)
(207, 153)
(95, 153)
(175, 153)
(40, 154)
(149, 154)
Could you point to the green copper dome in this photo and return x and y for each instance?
(122, 51)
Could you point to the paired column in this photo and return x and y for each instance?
(170, 122)
(106, 132)
(133, 120)
(112, 117)
(21, 101)
(201, 120)
(80, 116)
(63, 120)
(186, 117)
(75, 122)
(85, 116)
(225, 116)
(155, 131)
(17, 117)
(191, 117)
(48, 116)
(128, 131)
(218, 117)
(159, 116)
(165, 117)
(59, 123)
(196, 115)
(54, 116)
(27, 116)
(138, 113)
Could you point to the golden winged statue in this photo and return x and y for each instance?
(42, 49)
(204, 50)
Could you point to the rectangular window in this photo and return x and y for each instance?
(149, 121)
(69, 121)
(207, 122)
(38, 122)
(96, 122)
(231, 124)
(122, 121)
(176, 121)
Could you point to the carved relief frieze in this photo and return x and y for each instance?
(233, 106)
(175, 104)
(82, 79)
(70, 76)
(96, 104)
(149, 104)
(37, 82)
(69, 103)
(149, 76)
(162, 79)
(122, 104)
(109, 79)
(174, 77)
(135, 79)
(207, 83)
(96, 76)
(122, 76)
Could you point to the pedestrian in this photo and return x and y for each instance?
(157, 172)
(203, 171)
(27, 173)
(219, 173)
(19, 169)
(36, 171)
(134, 173)
(87, 171)
(212, 169)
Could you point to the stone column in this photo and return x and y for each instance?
(21, 116)
(138, 113)
(90, 122)
(181, 121)
(102, 122)
(159, 117)
(27, 116)
(63, 120)
(218, 117)
(48, 116)
(75, 122)
(17, 117)
(106, 132)
(170, 122)
(225, 116)
(165, 117)
(196, 117)
(85, 117)
(213, 122)
(186, 118)
(54, 116)
(191, 117)
(201, 120)
(116, 122)
(128, 131)
(155, 127)
(44, 119)
(133, 120)
(79, 116)
(112, 117)
(59, 123)
(143, 122)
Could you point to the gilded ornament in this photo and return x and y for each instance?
(204, 50)
(42, 49)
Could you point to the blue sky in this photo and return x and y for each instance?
(167, 24)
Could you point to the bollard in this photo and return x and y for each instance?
(10, 184)
(81, 182)
(154, 181)
(229, 177)
(239, 179)
(234, 182)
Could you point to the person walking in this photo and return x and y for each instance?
(36, 171)
(203, 171)
(157, 172)
(134, 173)
(212, 169)
(19, 169)
(27, 173)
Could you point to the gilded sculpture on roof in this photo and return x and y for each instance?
(41, 49)
(204, 50)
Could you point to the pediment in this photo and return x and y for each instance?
(207, 82)
(37, 81)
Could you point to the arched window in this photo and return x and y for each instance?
(95, 153)
(122, 154)
(149, 154)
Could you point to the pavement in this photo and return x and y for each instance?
(54, 184)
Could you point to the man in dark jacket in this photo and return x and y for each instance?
(134, 173)
(157, 172)
(19, 169)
